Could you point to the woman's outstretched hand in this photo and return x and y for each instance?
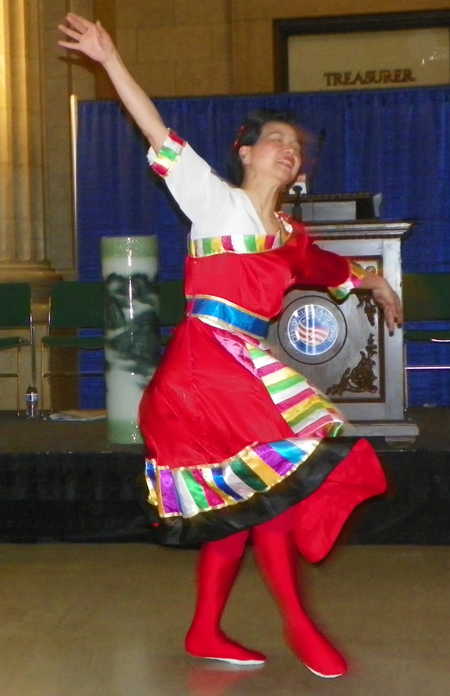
(93, 41)
(87, 37)
(386, 298)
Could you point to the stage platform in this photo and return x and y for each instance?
(64, 482)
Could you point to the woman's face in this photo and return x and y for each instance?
(275, 154)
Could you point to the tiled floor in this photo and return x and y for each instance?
(109, 620)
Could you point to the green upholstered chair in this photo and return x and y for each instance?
(15, 313)
(73, 306)
(426, 298)
(172, 306)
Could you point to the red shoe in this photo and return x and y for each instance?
(275, 551)
(218, 566)
(220, 647)
(316, 653)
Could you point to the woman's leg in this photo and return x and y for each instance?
(218, 566)
(320, 517)
(275, 550)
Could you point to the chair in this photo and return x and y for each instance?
(15, 313)
(172, 306)
(426, 298)
(73, 306)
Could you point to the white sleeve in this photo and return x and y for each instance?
(201, 194)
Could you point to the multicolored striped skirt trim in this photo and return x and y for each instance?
(306, 410)
(186, 491)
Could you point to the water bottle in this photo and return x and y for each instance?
(31, 399)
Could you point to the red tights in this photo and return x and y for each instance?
(275, 551)
(311, 527)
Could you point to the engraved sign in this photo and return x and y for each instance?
(382, 51)
(369, 60)
(369, 77)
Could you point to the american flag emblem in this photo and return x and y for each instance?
(313, 335)
(312, 329)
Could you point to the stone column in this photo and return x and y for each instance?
(22, 144)
(23, 255)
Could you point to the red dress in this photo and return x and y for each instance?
(234, 437)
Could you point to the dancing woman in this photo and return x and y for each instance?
(238, 443)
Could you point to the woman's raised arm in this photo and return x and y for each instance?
(93, 40)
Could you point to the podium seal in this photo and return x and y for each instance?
(312, 329)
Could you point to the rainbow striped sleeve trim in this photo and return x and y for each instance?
(305, 409)
(168, 156)
(256, 469)
(357, 273)
(237, 243)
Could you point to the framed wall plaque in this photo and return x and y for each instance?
(406, 49)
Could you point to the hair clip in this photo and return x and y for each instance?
(241, 132)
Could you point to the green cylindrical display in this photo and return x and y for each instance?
(129, 267)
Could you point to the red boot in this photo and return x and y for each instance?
(218, 567)
(275, 551)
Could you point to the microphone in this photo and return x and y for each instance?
(297, 209)
(320, 144)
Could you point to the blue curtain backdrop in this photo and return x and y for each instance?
(396, 142)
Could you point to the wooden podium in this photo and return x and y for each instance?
(344, 347)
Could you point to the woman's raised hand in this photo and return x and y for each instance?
(87, 37)
(93, 41)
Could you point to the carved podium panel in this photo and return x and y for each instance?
(344, 347)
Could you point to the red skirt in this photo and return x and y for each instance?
(235, 438)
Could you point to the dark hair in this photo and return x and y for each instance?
(249, 133)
